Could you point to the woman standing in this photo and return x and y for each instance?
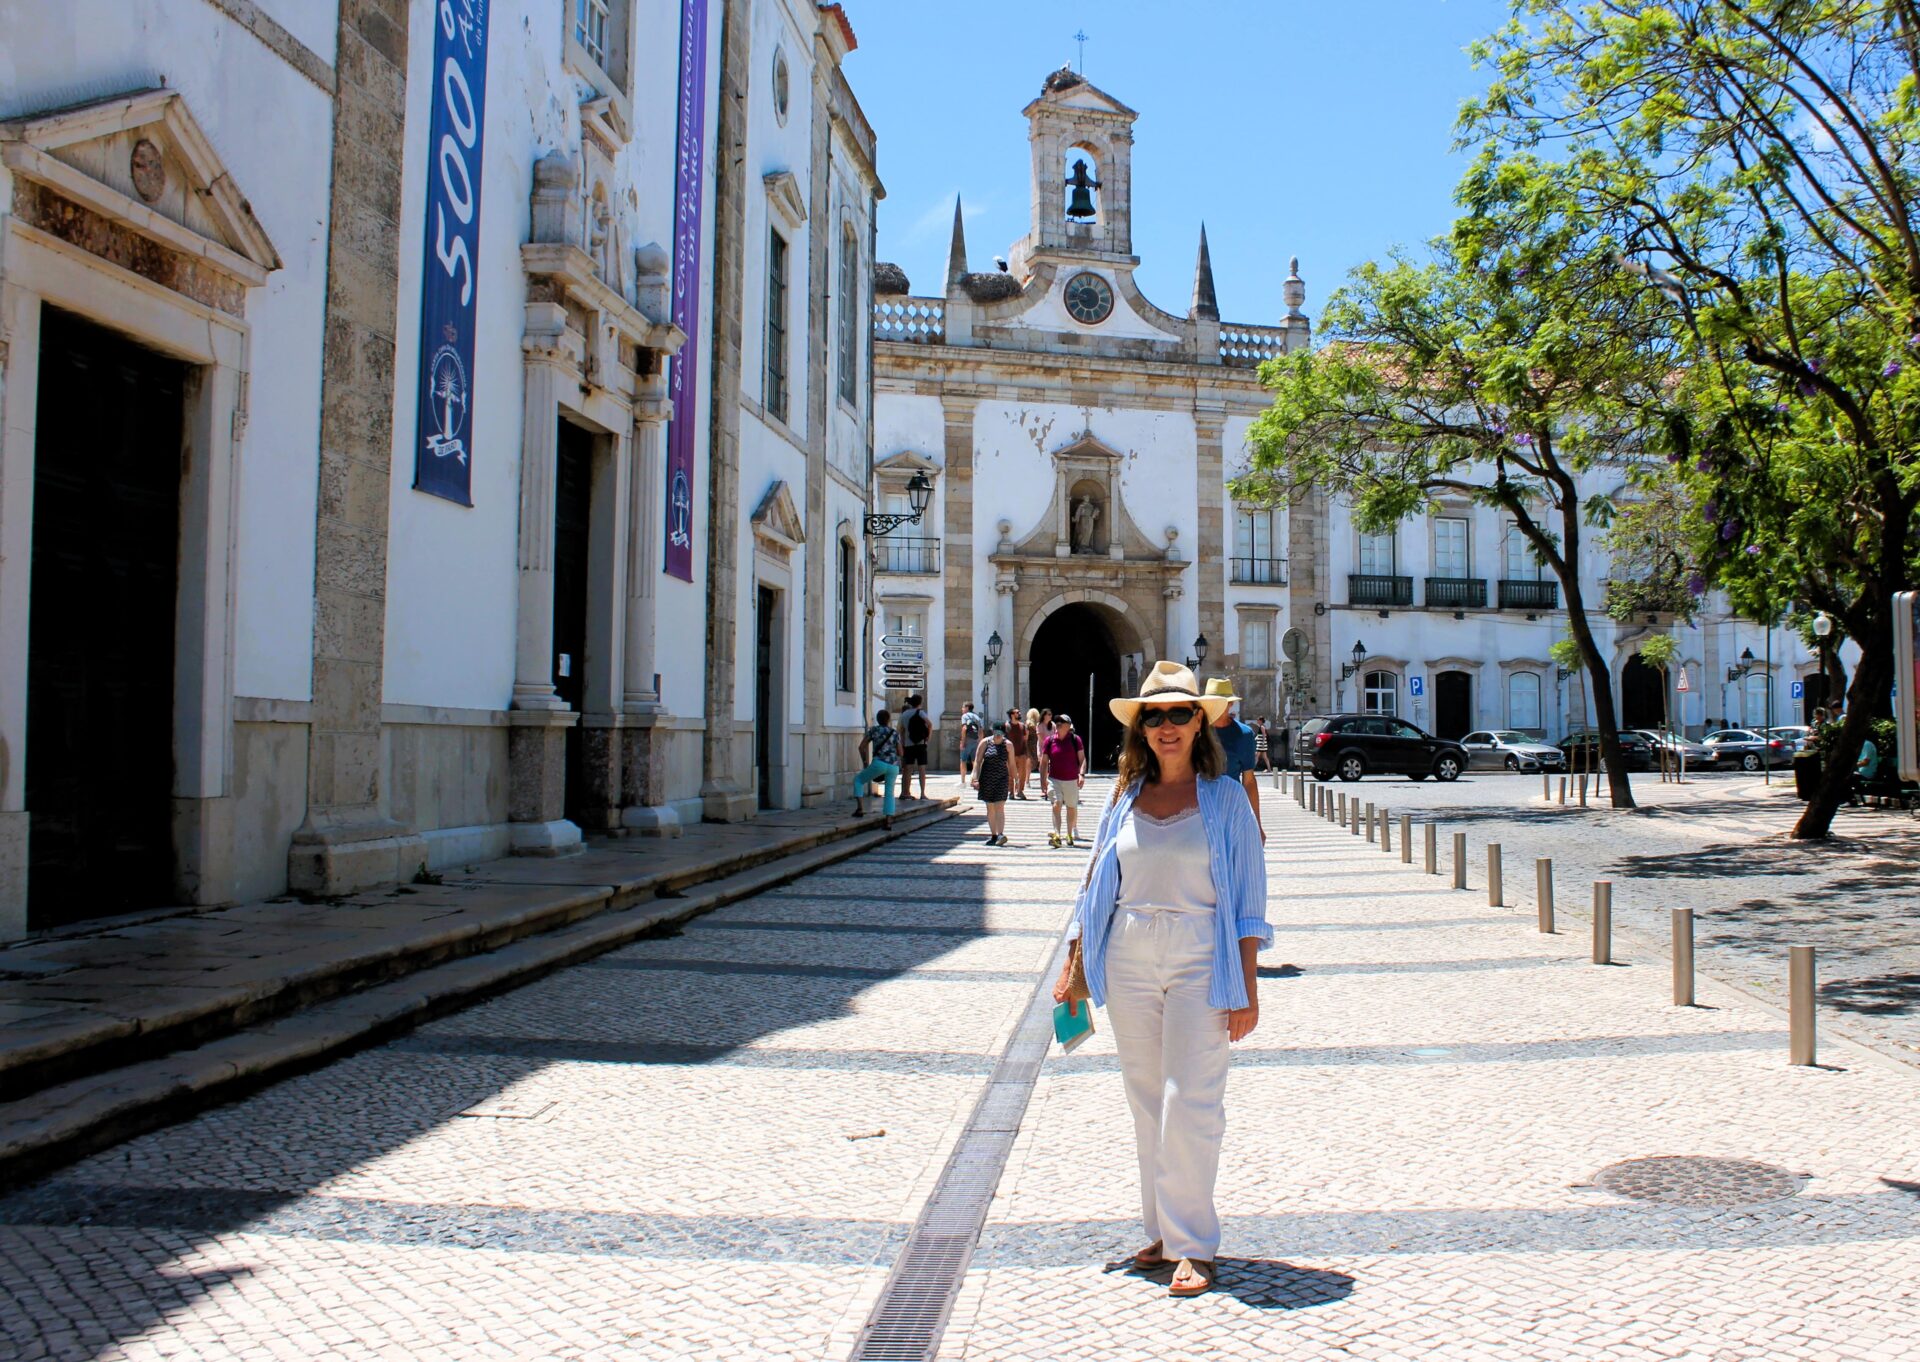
(1040, 730)
(990, 779)
(1016, 735)
(1172, 912)
(880, 750)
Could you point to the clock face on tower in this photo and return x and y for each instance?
(1089, 298)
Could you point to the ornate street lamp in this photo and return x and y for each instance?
(1823, 631)
(919, 493)
(1347, 669)
(1199, 658)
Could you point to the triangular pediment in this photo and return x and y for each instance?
(777, 519)
(905, 464)
(1069, 90)
(142, 160)
(1086, 447)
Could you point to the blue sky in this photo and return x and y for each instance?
(1293, 128)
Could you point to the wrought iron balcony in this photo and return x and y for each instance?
(1457, 593)
(1260, 571)
(1529, 595)
(908, 556)
(1376, 589)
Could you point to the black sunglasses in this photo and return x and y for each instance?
(1179, 716)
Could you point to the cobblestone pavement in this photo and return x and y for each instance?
(715, 1144)
(1717, 844)
(708, 1145)
(1415, 1139)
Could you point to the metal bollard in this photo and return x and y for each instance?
(1546, 787)
(1543, 891)
(1353, 816)
(1459, 860)
(1386, 831)
(1583, 790)
(1406, 839)
(1563, 789)
(1683, 957)
(1433, 848)
(1603, 922)
(1343, 807)
(1800, 1045)
(1370, 831)
(1496, 893)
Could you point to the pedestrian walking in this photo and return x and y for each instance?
(917, 725)
(1040, 732)
(970, 726)
(1237, 740)
(1017, 739)
(880, 750)
(1261, 759)
(1035, 733)
(990, 779)
(1064, 758)
(1169, 919)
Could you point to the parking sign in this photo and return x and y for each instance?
(1416, 686)
(1798, 690)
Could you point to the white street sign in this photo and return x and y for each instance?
(902, 640)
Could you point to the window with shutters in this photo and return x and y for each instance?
(776, 394)
(1450, 556)
(845, 621)
(850, 314)
(1523, 700)
(1256, 643)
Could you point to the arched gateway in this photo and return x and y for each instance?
(1075, 649)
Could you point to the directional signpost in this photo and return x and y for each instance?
(903, 662)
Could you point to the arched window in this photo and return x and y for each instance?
(1382, 693)
(1082, 177)
(1523, 701)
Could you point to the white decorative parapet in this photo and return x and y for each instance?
(916, 321)
(1250, 346)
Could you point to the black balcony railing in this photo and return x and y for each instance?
(1374, 589)
(1457, 593)
(1523, 595)
(1260, 571)
(914, 557)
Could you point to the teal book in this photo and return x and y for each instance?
(1072, 1029)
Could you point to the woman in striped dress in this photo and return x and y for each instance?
(1170, 917)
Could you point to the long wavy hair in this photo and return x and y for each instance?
(1138, 763)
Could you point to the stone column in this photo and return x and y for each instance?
(1308, 587)
(643, 781)
(814, 615)
(1176, 650)
(348, 841)
(1210, 553)
(957, 647)
(538, 719)
(603, 683)
(723, 798)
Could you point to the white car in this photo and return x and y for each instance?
(1493, 749)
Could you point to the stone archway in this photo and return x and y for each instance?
(1075, 639)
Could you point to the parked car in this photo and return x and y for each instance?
(1582, 750)
(1354, 745)
(1492, 749)
(1697, 754)
(1748, 750)
(1795, 736)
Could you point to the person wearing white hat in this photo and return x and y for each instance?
(1166, 928)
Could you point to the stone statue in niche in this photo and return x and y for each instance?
(1086, 514)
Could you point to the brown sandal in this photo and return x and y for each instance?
(1192, 1268)
(1150, 1257)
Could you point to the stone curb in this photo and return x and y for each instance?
(64, 1123)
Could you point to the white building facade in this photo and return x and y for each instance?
(1080, 441)
(417, 433)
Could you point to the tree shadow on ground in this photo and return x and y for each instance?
(1268, 1283)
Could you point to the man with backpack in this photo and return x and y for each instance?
(970, 731)
(917, 725)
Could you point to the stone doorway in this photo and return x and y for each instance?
(1075, 649)
(1452, 704)
(572, 571)
(1643, 693)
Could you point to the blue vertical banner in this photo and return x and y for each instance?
(449, 290)
(684, 374)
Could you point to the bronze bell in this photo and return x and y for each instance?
(1080, 206)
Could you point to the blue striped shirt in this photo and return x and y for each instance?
(1239, 882)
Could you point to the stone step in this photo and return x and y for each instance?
(391, 937)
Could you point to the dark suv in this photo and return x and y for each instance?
(1352, 745)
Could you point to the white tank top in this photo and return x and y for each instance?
(1165, 865)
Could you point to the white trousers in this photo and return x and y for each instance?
(1173, 1058)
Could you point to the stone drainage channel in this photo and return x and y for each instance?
(911, 1314)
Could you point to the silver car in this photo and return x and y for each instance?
(1748, 750)
(1698, 755)
(1494, 749)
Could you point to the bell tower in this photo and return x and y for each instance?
(1082, 145)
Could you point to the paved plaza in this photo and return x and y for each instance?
(717, 1143)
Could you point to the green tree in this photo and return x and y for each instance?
(1516, 369)
(1761, 162)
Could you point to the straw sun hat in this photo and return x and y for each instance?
(1169, 683)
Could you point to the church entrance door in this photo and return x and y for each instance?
(1643, 691)
(1075, 648)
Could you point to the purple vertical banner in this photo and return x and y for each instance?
(683, 376)
(449, 291)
